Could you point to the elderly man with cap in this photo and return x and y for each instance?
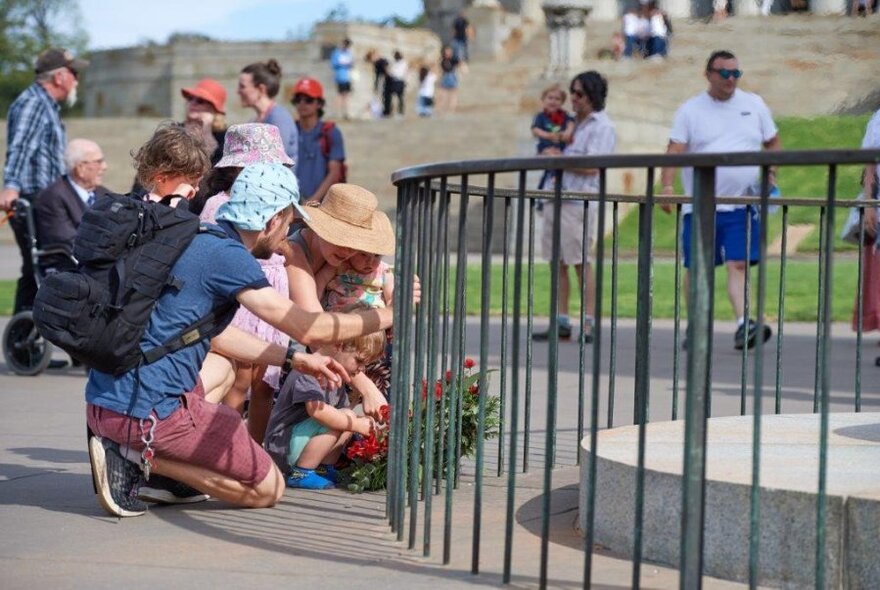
(35, 140)
(59, 208)
(321, 160)
(194, 443)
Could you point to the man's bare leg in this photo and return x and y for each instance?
(263, 495)
(736, 284)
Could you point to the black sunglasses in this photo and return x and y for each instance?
(74, 72)
(303, 98)
(198, 100)
(578, 93)
(727, 74)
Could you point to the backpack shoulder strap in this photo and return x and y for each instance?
(206, 327)
(326, 139)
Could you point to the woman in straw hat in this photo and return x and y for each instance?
(346, 222)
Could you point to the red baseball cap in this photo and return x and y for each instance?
(309, 87)
(210, 91)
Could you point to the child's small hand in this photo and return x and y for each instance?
(364, 425)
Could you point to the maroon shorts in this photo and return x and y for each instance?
(198, 433)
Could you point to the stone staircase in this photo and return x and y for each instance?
(800, 65)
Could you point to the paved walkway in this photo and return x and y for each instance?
(56, 534)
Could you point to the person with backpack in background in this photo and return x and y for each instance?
(152, 434)
(321, 158)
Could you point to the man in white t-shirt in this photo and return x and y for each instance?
(725, 119)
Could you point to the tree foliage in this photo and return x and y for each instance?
(27, 27)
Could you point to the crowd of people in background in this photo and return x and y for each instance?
(646, 32)
(392, 76)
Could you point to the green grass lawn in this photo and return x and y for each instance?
(802, 287)
(801, 290)
(802, 280)
(827, 132)
(7, 297)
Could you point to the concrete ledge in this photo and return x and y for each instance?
(789, 482)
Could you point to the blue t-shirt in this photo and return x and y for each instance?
(213, 271)
(311, 165)
(281, 118)
(543, 122)
(341, 60)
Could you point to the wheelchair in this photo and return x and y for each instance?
(26, 352)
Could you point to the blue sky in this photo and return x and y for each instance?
(120, 23)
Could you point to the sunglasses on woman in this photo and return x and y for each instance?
(727, 74)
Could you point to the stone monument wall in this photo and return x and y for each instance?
(146, 80)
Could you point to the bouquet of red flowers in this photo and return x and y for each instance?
(368, 456)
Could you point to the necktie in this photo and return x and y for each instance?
(91, 199)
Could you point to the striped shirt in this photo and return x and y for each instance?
(35, 139)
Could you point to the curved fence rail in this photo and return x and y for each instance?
(440, 205)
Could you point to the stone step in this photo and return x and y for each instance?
(788, 499)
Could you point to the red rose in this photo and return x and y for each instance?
(469, 363)
(438, 391)
(424, 389)
(355, 450)
(449, 376)
(474, 389)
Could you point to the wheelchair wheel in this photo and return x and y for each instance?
(26, 351)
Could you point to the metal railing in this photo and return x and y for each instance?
(432, 337)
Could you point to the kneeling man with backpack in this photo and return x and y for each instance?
(153, 292)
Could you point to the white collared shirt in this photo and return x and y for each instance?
(83, 193)
(593, 136)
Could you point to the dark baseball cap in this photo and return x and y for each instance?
(55, 58)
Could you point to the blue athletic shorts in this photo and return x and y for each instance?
(730, 236)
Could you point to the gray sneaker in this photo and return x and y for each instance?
(164, 490)
(116, 478)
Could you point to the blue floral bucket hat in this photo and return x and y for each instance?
(259, 192)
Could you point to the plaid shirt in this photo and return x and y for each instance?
(35, 139)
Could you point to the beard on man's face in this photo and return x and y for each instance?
(262, 250)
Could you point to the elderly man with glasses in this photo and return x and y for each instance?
(726, 119)
(35, 148)
(59, 208)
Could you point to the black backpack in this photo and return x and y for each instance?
(98, 313)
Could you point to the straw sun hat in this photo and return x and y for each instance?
(349, 217)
